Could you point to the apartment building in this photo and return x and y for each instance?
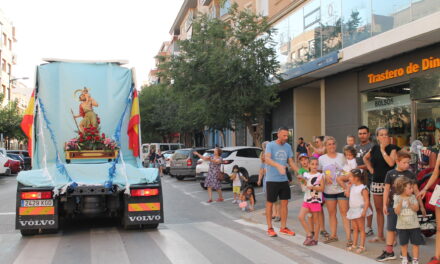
(7, 57)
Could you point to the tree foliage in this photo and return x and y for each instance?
(224, 74)
(10, 119)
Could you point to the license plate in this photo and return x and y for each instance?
(35, 203)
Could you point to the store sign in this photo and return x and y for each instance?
(387, 103)
(424, 65)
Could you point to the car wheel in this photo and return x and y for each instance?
(180, 178)
(244, 172)
(202, 184)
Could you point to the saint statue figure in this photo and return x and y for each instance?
(89, 117)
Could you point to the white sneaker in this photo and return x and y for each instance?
(234, 201)
(404, 261)
(415, 261)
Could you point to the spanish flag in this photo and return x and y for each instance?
(133, 125)
(27, 124)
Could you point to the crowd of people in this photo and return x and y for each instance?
(364, 177)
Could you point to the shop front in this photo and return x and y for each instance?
(403, 95)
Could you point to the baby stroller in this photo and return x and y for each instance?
(427, 224)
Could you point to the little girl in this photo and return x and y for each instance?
(350, 158)
(248, 199)
(236, 178)
(359, 207)
(408, 226)
(312, 202)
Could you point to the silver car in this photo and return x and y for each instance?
(184, 162)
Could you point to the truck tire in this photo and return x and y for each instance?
(180, 178)
(29, 232)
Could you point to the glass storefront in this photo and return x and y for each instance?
(406, 118)
(322, 26)
(389, 108)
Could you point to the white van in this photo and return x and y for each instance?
(162, 146)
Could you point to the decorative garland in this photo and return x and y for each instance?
(60, 166)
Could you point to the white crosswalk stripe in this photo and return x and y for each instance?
(39, 249)
(177, 249)
(328, 251)
(107, 247)
(249, 248)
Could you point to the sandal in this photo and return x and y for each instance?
(219, 200)
(377, 240)
(349, 244)
(351, 248)
(325, 234)
(329, 240)
(209, 201)
(360, 250)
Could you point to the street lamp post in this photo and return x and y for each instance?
(11, 81)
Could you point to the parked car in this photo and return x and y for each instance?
(27, 158)
(18, 157)
(184, 162)
(162, 146)
(14, 165)
(247, 159)
(4, 165)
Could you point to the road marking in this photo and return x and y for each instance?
(8, 213)
(245, 246)
(176, 248)
(38, 250)
(334, 253)
(107, 246)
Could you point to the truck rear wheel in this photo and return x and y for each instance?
(29, 232)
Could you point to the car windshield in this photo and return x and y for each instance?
(174, 147)
(181, 154)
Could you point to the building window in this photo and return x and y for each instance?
(263, 7)
(10, 44)
(213, 11)
(4, 89)
(3, 65)
(9, 69)
(225, 8)
(5, 39)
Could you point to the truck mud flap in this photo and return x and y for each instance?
(144, 206)
(34, 214)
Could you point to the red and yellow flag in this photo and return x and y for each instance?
(133, 125)
(27, 124)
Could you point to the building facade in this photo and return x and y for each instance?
(7, 57)
(367, 62)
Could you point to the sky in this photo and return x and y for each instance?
(132, 30)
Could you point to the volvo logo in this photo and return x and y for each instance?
(37, 223)
(144, 218)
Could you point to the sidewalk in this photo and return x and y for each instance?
(373, 249)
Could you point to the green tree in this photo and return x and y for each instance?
(10, 119)
(226, 72)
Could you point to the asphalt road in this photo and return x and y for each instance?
(194, 232)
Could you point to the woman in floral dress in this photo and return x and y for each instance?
(212, 181)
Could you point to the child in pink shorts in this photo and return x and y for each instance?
(312, 202)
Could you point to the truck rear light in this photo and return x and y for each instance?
(36, 195)
(228, 161)
(144, 192)
(189, 162)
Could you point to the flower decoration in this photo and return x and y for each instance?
(91, 139)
